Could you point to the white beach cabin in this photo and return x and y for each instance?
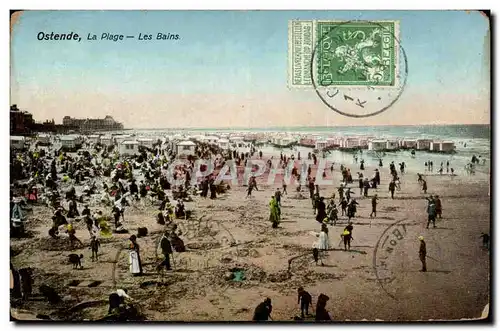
(43, 139)
(146, 142)
(392, 145)
(350, 142)
(235, 140)
(129, 147)
(363, 142)
(121, 138)
(320, 145)
(423, 144)
(94, 139)
(408, 143)
(224, 144)
(377, 145)
(287, 141)
(330, 142)
(249, 137)
(447, 146)
(442, 146)
(17, 142)
(107, 140)
(70, 142)
(185, 148)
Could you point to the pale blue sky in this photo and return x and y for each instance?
(239, 52)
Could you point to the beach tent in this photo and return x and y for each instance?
(17, 142)
(129, 147)
(185, 148)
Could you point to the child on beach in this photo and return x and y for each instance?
(94, 246)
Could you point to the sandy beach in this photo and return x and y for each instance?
(235, 232)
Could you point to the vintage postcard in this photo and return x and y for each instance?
(304, 166)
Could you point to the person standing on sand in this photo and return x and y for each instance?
(284, 187)
(424, 186)
(360, 180)
(366, 186)
(321, 312)
(274, 214)
(94, 246)
(73, 209)
(166, 250)
(321, 209)
(134, 257)
(374, 206)
(311, 188)
(348, 194)
(249, 190)
(323, 244)
(343, 205)
(341, 192)
(213, 190)
(305, 299)
(422, 253)
(347, 236)
(439, 208)
(431, 213)
(277, 197)
(351, 209)
(332, 211)
(392, 187)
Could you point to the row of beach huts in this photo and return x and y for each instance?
(369, 143)
(129, 144)
(185, 143)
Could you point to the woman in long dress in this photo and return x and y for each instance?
(274, 214)
(134, 257)
(323, 244)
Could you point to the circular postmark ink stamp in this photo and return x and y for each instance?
(387, 251)
(396, 257)
(358, 68)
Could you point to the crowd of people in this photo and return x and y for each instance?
(111, 183)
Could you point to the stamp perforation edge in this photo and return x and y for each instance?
(395, 60)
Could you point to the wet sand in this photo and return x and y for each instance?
(239, 235)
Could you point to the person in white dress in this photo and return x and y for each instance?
(323, 243)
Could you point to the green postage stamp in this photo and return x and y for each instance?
(349, 54)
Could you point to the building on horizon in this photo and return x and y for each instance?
(21, 122)
(93, 124)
